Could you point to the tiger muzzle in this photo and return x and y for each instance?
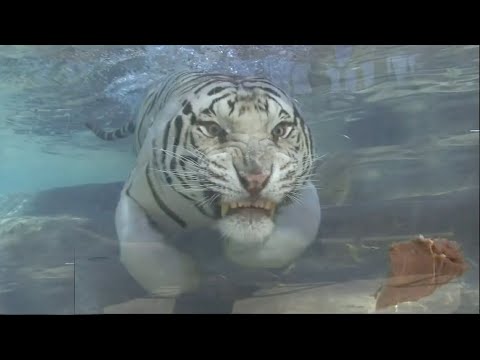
(254, 183)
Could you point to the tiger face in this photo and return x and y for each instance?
(253, 153)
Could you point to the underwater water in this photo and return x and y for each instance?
(396, 128)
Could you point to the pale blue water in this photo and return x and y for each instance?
(398, 124)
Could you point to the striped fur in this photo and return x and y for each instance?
(197, 137)
(170, 112)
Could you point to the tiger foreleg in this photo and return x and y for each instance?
(296, 228)
(158, 267)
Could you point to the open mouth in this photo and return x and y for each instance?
(262, 207)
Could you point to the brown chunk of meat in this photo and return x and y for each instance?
(418, 267)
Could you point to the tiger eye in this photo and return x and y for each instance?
(214, 129)
(278, 131)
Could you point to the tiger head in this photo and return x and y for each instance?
(252, 154)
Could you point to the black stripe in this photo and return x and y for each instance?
(304, 162)
(218, 165)
(185, 185)
(148, 100)
(308, 137)
(178, 131)
(208, 112)
(165, 143)
(283, 112)
(264, 88)
(139, 129)
(231, 104)
(156, 97)
(298, 139)
(156, 162)
(168, 83)
(289, 174)
(273, 99)
(266, 82)
(310, 141)
(306, 131)
(210, 109)
(188, 159)
(204, 85)
(185, 196)
(185, 141)
(283, 167)
(173, 87)
(295, 122)
(216, 90)
(216, 100)
(182, 180)
(160, 202)
(217, 176)
(187, 109)
(193, 119)
(173, 168)
(192, 141)
(189, 86)
(303, 173)
(176, 141)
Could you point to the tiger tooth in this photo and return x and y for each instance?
(225, 208)
(272, 210)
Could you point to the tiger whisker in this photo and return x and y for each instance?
(189, 187)
(305, 186)
(313, 181)
(195, 153)
(177, 156)
(294, 198)
(208, 200)
(173, 172)
(195, 189)
(308, 177)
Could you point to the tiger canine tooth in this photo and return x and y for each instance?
(260, 204)
(225, 208)
(272, 210)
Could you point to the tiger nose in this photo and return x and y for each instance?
(254, 183)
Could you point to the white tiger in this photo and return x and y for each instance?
(225, 152)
